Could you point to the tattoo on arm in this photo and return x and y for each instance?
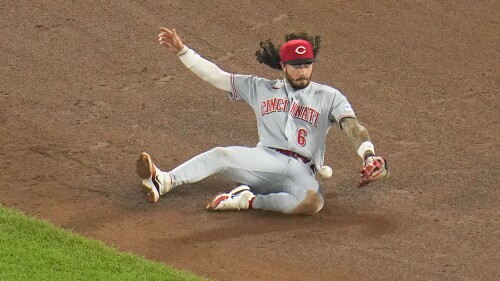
(356, 132)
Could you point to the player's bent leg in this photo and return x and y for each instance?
(297, 193)
(309, 203)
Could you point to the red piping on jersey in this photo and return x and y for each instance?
(345, 115)
(234, 88)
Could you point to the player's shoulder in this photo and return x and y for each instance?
(253, 79)
(269, 84)
(323, 89)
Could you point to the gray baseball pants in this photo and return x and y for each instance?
(280, 183)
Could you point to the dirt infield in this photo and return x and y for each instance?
(85, 88)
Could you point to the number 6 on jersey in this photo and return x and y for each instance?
(301, 136)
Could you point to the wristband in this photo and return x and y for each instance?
(365, 146)
(188, 57)
(182, 51)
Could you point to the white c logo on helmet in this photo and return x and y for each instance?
(301, 50)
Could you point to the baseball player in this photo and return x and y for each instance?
(293, 115)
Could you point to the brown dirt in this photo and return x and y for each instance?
(85, 88)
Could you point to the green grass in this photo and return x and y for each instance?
(31, 249)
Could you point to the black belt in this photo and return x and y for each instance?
(292, 154)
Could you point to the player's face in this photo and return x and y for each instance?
(299, 75)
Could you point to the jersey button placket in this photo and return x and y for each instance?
(289, 124)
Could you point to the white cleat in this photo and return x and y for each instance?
(154, 181)
(239, 198)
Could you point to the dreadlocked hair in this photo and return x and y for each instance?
(270, 54)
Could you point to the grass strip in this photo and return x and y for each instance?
(32, 249)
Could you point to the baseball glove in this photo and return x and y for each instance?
(374, 168)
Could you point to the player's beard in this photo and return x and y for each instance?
(299, 83)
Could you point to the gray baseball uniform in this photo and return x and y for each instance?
(292, 127)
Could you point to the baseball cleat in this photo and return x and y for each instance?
(239, 198)
(154, 181)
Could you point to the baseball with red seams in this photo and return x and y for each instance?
(325, 172)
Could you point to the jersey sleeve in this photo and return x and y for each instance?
(243, 87)
(341, 108)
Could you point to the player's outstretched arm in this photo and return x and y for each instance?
(203, 68)
(374, 167)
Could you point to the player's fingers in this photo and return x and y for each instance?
(166, 44)
(167, 33)
(163, 41)
(166, 36)
(163, 37)
(166, 30)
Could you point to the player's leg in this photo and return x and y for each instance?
(291, 189)
(298, 192)
(281, 184)
(294, 192)
(237, 163)
(231, 161)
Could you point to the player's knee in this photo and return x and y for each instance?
(311, 204)
(220, 152)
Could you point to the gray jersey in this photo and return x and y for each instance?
(295, 120)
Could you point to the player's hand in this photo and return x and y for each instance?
(170, 40)
(374, 168)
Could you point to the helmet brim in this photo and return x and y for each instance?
(300, 61)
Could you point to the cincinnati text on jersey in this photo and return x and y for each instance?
(274, 105)
(301, 112)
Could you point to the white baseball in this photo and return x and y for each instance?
(325, 172)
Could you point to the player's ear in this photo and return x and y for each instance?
(283, 66)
